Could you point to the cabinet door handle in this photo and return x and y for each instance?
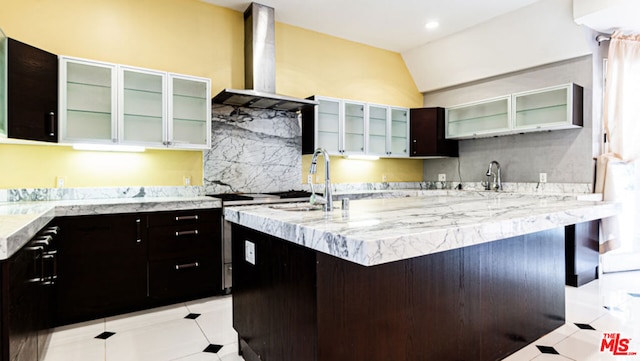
(187, 265)
(187, 218)
(52, 124)
(186, 233)
(138, 230)
(413, 146)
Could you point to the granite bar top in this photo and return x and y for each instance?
(377, 231)
(20, 221)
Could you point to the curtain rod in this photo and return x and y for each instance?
(602, 37)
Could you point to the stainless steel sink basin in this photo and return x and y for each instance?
(297, 207)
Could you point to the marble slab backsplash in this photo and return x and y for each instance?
(253, 150)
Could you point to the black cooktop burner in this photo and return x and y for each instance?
(291, 194)
(231, 197)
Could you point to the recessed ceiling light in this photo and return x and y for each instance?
(432, 24)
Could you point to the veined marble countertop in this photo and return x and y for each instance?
(376, 231)
(20, 221)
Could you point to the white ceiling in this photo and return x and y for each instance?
(395, 25)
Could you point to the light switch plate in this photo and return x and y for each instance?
(442, 177)
(250, 252)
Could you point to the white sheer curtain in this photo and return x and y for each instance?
(618, 170)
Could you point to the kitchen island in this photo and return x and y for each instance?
(474, 276)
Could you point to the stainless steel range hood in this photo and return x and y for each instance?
(260, 66)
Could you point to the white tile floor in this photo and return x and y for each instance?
(611, 304)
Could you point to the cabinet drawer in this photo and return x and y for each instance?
(181, 240)
(183, 277)
(194, 216)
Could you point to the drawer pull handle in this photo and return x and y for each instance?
(186, 233)
(187, 265)
(187, 218)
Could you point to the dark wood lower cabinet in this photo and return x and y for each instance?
(482, 302)
(111, 264)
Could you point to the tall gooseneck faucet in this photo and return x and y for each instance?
(328, 205)
(497, 177)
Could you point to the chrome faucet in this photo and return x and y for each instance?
(496, 185)
(328, 199)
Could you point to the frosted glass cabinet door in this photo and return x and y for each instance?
(87, 101)
(399, 133)
(328, 125)
(190, 112)
(378, 120)
(142, 106)
(3, 84)
(486, 118)
(557, 107)
(353, 128)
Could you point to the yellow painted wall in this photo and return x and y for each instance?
(190, 37)
(34, 166)
(358, 171)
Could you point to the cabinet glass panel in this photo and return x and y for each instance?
(89, 96)
(399, 130)
(377, 129)
(485, 117)
(353, 128)
(536, 109)
(328, 125)
(190, 101)
(143, 107)
(3, 84)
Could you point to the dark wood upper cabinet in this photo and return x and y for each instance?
(427, 134)
(32, 92)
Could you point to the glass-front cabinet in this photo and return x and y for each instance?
(87, 108)
(558, 107)
(399, 132)
(142, 104)
(354, 125)
(103, 102)
(328, 125)
(3, 84)
(378, 129)
(190, 113)
(484, 118)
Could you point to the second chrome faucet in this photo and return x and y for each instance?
(496, 183)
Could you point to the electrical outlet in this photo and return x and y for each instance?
(187, 180)
(384, 177)
(309, 178)
(442, 177)
(250, 252)
(60, 181)
(543, 177)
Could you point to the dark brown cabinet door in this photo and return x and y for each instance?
(32, 93)
(102, 266)
(427, 134)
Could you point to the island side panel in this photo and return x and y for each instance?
(481, 302)
(274, 301)
(582, 252)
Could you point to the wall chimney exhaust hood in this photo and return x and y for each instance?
(260, 66)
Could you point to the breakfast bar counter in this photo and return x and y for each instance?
(468, 276)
